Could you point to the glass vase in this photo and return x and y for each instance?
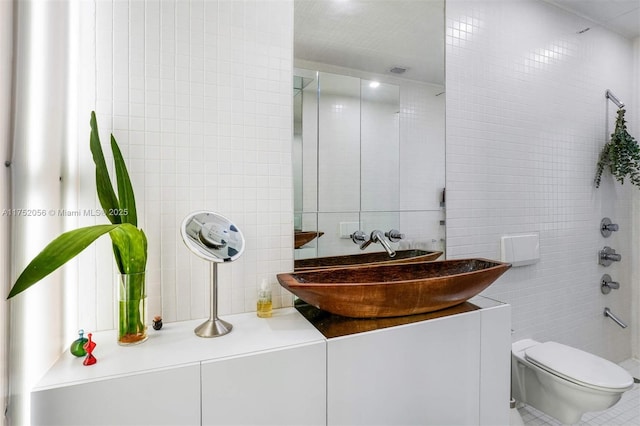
(132, 309)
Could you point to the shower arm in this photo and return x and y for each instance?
(614, 99)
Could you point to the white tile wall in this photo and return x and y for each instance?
(526, 119)
(198, 94)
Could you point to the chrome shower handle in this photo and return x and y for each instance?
(606, 284)
(607, 227)
(607, 256)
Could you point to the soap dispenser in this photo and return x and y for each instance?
(264, 306)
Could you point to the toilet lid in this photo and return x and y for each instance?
(578, 366)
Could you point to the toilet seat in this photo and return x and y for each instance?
(579, 367)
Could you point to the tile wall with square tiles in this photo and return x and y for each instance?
(526, 120)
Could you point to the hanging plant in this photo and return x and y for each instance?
(621, 155)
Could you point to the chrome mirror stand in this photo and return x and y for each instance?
(216, 239)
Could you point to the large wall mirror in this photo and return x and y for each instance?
(369, 139)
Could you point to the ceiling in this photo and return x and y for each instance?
(376, 35)
(620, 16)
(373, 36)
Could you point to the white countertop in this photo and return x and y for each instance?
(176, 344)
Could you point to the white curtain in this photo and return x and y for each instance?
(42, 131)
(6, 68)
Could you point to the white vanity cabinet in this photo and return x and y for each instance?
(165, 397)
(283, 387)
(266, 371)
(452, 370)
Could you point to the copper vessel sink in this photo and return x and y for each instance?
(303, 237)
(391, 290)
(368, 258)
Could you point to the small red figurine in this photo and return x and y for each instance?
(89, 347)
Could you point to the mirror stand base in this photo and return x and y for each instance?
(213, 327)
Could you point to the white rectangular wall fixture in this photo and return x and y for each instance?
(520, 250)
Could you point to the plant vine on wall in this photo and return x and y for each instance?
(621, 155)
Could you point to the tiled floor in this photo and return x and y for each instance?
(625, 413)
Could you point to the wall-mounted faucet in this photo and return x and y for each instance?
(607, 256)
(607, 227)
(376, 236)
(606, 284)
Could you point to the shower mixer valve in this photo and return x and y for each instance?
(607, 227)
(607, 256)
(606, 284)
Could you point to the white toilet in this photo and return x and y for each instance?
(564, 382)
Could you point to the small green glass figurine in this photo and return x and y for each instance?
(77, 347)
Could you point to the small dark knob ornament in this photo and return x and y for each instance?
(157, 322)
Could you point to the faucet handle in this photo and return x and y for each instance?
(607, 284)
(358, 237)
(608, 255)
(607, 227)
(394, 235)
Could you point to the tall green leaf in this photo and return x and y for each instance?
(57, 253)
(126, 198)
(131, 244)
(106, 194)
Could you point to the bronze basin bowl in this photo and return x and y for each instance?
(368, 258)
(301, 238)
(391, 290)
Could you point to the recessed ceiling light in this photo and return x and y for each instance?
(398, 70)
(374, 84)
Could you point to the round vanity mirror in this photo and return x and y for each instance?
(212, 237)
(215, 238)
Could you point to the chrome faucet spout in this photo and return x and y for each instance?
(378, 237)
(608, 313)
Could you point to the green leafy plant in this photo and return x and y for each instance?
(621, 155)
(128, 241)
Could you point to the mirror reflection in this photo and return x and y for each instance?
(368, 150)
